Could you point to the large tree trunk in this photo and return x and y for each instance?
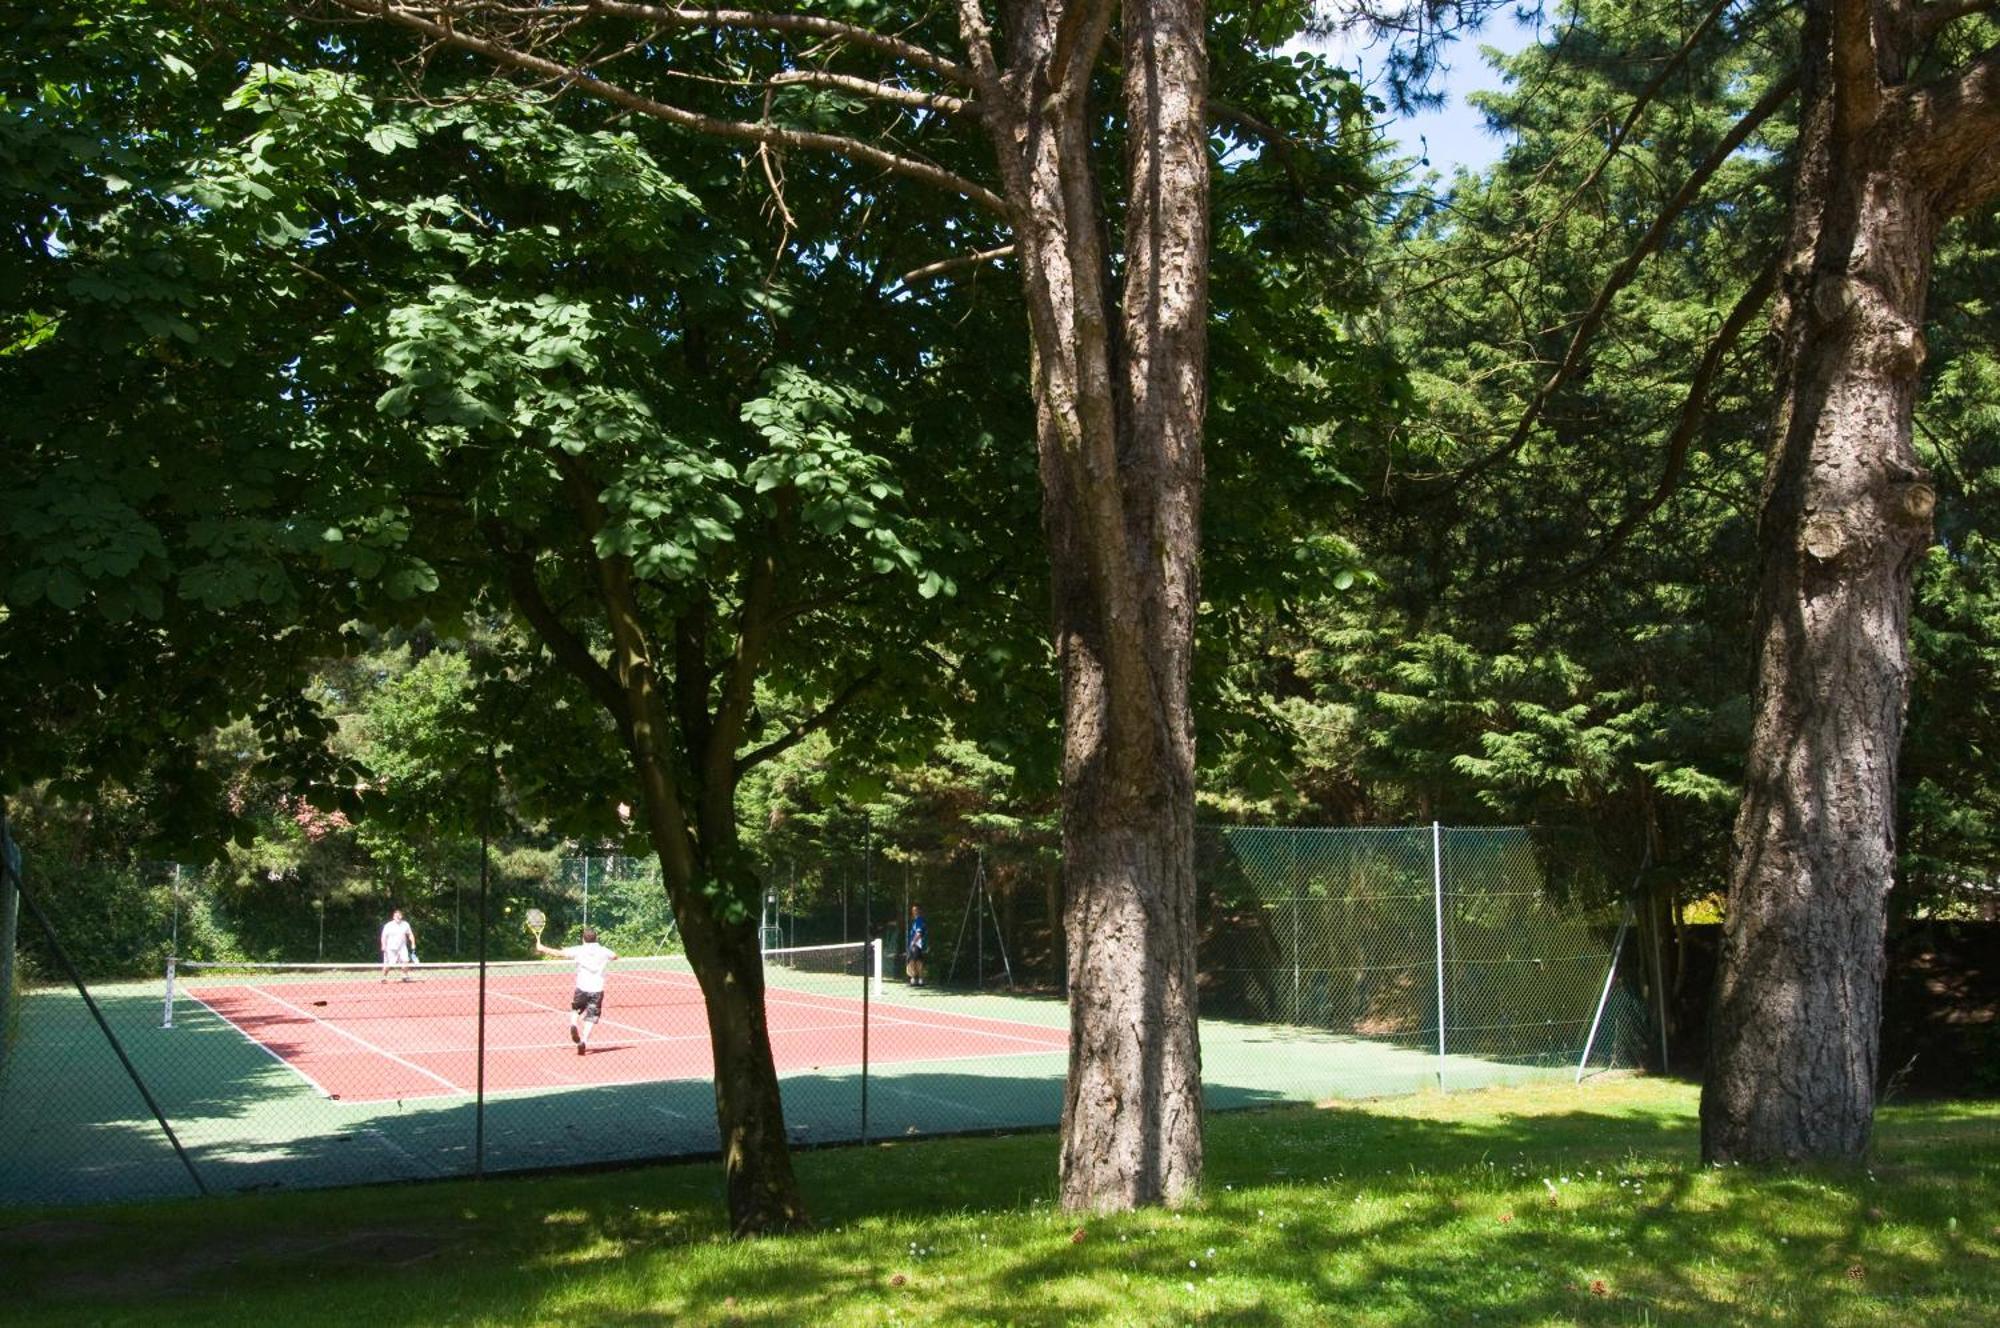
(1119, 416)
(761, 1189)
(691, 823)
(762, 1192)
(1846, 517)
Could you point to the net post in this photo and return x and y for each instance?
(868, 981)
(167, 1013)
(1437, 898)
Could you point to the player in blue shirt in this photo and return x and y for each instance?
(916, 945)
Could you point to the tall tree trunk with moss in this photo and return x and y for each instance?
(1884, 162)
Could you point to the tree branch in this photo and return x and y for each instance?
(792, 738)
(1079, 37)
(567, 647)
(651, 729)
(736, 130)
(689, 16)
(754, 628)
(977, 35)
(1269, 134)
(863, 87)
(1692, 412)
(1655, 236)
(1931, 19)
(1956, 126)
(945, 265)
(1645, 99)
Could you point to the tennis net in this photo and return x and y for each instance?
(453, 988)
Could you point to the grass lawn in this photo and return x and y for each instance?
(1537, 1205)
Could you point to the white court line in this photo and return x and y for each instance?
(1041, 1043)
(494, 1048)
(383, 1052)
(923, 1010)
(267, 1049)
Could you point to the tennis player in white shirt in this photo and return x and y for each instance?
(399, 944)
(586, 1004)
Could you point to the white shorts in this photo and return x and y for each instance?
(400, 955)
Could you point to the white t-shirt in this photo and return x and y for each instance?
(396, 936)
(591, 961)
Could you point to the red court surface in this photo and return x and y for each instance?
(368, 1042)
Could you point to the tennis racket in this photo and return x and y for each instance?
(535, 921)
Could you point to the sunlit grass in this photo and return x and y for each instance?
(1544, 1205)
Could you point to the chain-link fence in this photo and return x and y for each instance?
(1332, 963)
(1387, 960)
(991, 910)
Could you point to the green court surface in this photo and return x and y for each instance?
(78, 1131)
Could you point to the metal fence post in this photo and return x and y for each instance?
(1437, 896)
(1658, 928)
(1297, 1014)
(485, 874)
(174, 919)
(10, 921)
(1604, 998)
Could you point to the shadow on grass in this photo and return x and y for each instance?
(1391, 1218)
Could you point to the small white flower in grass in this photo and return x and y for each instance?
(1193, 1264)
(1188, 1285)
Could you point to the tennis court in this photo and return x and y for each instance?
(263, 1097)
(353, 1038)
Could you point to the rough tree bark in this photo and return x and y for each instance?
(1120, 386)
(1883, 163)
